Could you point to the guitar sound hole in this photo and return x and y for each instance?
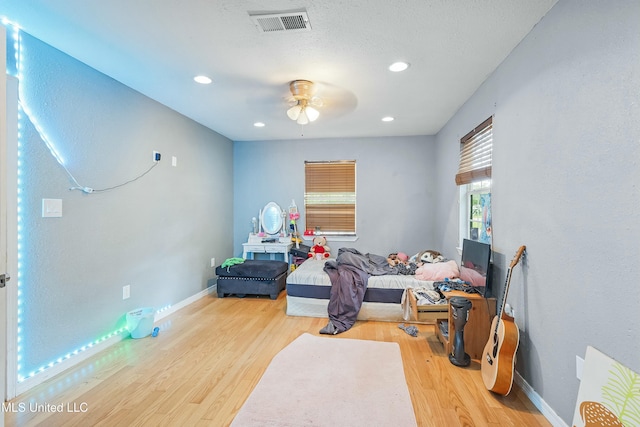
(495, 345)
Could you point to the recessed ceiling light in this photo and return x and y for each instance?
(202, 80)
(388, 119)
(259, 124)
(398, 66)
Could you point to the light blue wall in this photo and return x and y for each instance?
(156, 234)
(394, 183)
(565, 184)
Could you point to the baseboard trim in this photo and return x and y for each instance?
(62, 366)
(76, 359)
(539, 402)
(172, 309)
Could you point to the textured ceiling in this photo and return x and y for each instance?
(158, 46)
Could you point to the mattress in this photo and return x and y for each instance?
(308, 290)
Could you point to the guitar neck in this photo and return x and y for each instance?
(505, 292)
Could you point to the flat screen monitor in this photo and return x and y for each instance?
(475, 266)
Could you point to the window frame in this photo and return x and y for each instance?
(466, 191)
(474, 175)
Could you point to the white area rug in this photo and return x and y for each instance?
(331, 381)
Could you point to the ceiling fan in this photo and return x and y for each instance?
(303, 102)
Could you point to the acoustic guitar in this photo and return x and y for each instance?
(498, 358)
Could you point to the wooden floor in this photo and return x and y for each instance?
(208, 357)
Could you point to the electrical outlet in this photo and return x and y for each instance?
(213, 262)
(126, 291)
(579, 366)
(156, 156)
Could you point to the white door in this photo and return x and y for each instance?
(3, 217)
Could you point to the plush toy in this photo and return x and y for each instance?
(429, 256)
(396, 258)
(400, 261)
(319, 250)
(393, 260)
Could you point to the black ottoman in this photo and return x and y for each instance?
(252, 277)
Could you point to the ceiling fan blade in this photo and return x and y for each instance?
(316, 101)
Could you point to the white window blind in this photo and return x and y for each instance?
(475, 154)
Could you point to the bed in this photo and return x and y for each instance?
(308, 288)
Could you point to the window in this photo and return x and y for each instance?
(474, 179)
(330, 197)
(475, 211)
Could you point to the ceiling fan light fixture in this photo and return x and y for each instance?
(303, 119)
(294, 112)
(303, 94)
(311, 113)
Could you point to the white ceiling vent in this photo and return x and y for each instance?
(276, 22)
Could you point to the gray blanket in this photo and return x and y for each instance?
(374, 265)
(349, 274)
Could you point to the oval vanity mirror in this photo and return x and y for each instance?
(271, 218)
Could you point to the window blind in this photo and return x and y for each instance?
(475, 154)
(330, 196)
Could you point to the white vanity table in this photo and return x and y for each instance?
(266, 248)
(271, 222)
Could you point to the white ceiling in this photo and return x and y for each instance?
(158, 46)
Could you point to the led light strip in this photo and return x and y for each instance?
(67, 356)
(24, 112)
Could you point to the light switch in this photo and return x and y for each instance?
(174, 161)
(51, 208)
